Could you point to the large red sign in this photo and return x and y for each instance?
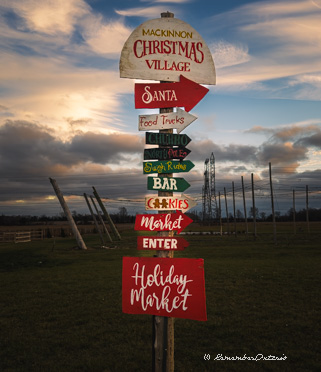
(173, 287)
(168, 243)
(185, 93)
(162, 222)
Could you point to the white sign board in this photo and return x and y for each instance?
(165, 48)
(173, 120)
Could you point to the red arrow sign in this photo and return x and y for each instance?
(185, 93)
(162, 222)
(168, 243)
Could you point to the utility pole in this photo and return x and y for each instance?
(227, 216)
(234, 209)
(253, 205)
(272, 203)
(80, 242)
(244, 205)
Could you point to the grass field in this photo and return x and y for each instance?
(61, 307)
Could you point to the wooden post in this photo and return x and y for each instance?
(253, 205)
(294, 227)
(94, 218)
(80, 242)
(163, 327)
(244, 206)
(234, 209)
(107, 216)
(101, 219)
(227, 216)
(307, 207)
(272, 204)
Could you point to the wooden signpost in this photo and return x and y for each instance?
(184, 93)
(178, 120)
(172, 52)
(167, 184)
(169, 203)
(166, 153)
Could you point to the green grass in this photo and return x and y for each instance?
(61, 308)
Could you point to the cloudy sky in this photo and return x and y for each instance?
(65, 113)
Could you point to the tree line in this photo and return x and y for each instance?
(124, 217)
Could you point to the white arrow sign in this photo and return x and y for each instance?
(167, 203)
(174, 120)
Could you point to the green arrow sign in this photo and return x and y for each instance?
(167, 166)
(167, 184)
